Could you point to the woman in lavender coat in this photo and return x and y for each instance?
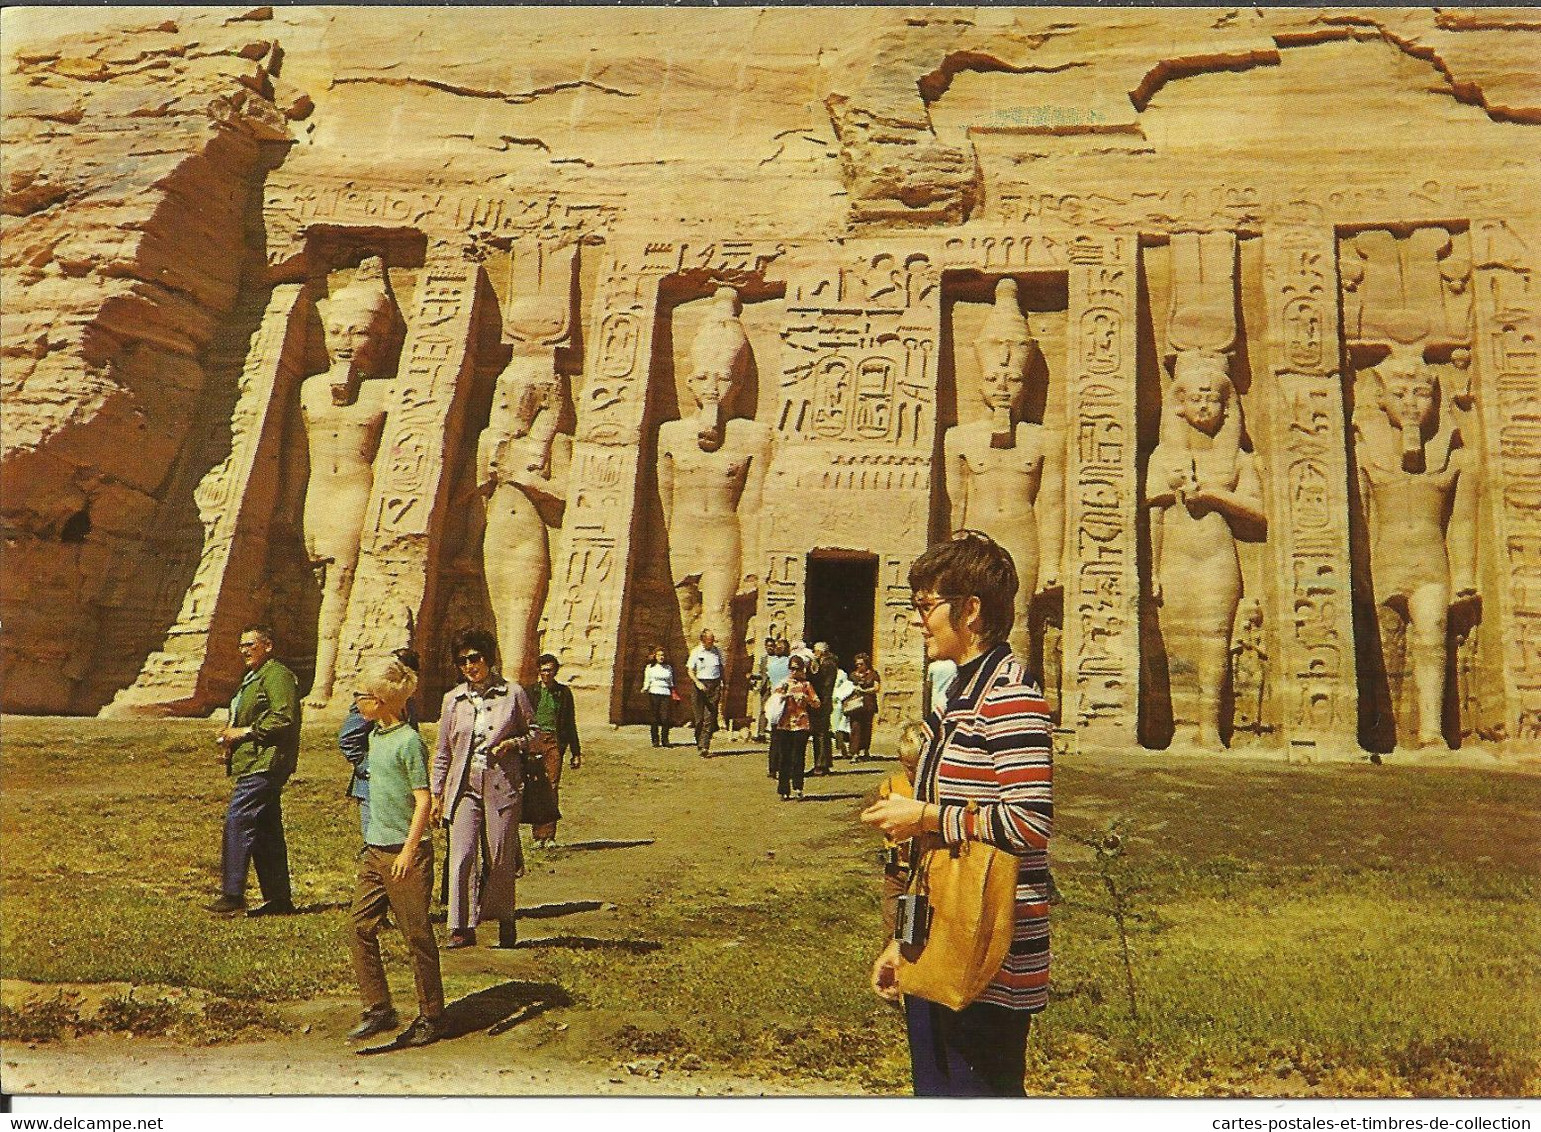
(477, 783)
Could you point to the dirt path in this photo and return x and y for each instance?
(636, 817)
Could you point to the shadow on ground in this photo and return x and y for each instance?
(495, 1009)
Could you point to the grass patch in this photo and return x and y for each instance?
(1340, 930)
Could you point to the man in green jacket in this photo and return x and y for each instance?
(260, 748)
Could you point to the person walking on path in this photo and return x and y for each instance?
(985, 775)
(658, 683)
(823, 672)
(259, 747)
(789, 738)
(554, 735)
(353, 740)
(395, 869)
(705, 670)
(778, 665)
(478, 785)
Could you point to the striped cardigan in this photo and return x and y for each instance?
(990, 743)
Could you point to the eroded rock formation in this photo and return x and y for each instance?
(715, 319)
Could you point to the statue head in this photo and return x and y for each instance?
(360, 321)
(1201, 389)
(718, 358)
(1409, 396)
(1004, 348)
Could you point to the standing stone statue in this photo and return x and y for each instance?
(711, 471)
(1200, 483)
(522, 464)
(344, 412)
(1420, 506)
(1004, 474)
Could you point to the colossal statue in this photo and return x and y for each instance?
(522, 465)
(344, 412)
(1200, 484)
(711, 472)
(1004, 474)
(1419, 498)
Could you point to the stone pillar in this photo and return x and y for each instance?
(1102, 587)
(1508, 363)
(1306, 453)
(197, 668)
(588, 576)
(423, 432)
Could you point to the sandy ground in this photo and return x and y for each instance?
(633, 815)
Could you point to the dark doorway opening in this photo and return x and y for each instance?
(841, 602)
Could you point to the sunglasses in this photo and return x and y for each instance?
(469, 658)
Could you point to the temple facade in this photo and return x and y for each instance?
(1224, 322)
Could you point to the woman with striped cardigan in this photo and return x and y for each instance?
(988, 742)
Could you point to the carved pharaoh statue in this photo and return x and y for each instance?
(1004, 474)
(344, 412)
(1420, 504)
(1200, 484)
(711, 471)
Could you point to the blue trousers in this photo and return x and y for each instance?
(979, 1051)
(254, 834)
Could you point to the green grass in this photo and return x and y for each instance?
(1319, 930)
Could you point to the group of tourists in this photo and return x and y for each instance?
(498, 758)
(975, 785)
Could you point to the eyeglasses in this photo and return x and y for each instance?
(468, 658)
(923, 610)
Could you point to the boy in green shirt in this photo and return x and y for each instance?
(396, 864)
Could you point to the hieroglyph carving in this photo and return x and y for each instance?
(344, 412)
(1508, 312)
(235, 501)
(522, 460)
(859, 350)
(410, 479)
(1310, 481)
(1004, 474)
(1102, 591)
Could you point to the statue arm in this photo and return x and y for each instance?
(1462, 538)
(1051, 513)
(1246, 501)
(749, 506)
(1158, 511)
(957, 483)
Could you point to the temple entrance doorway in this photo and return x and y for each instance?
(841, 601)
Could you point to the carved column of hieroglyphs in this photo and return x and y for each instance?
(588, 573)
(1307, 455)
(189, 674)
(1508, 312)
(855, 426)
(412, 471)
(1102, 590)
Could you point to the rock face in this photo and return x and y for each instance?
(1273, 332)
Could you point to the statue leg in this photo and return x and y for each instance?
(1428, 612)
(337, 584)
(1213, 650)
(516, 552)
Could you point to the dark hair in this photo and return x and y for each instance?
(971, 564)
(409, 657)
(797, 662)
(262, 629)
(547, 658)
(477, 639)
(861, 656)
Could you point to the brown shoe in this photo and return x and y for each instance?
(458, 940)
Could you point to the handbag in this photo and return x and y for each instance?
(775, 708)
(855, 702)
(540, 806)
(972, 890)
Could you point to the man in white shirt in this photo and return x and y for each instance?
(705, 669)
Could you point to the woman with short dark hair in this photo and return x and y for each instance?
(477, 783)
(789, 735)
(861, 714)
(984, 775)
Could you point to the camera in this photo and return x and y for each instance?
(912, 923)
